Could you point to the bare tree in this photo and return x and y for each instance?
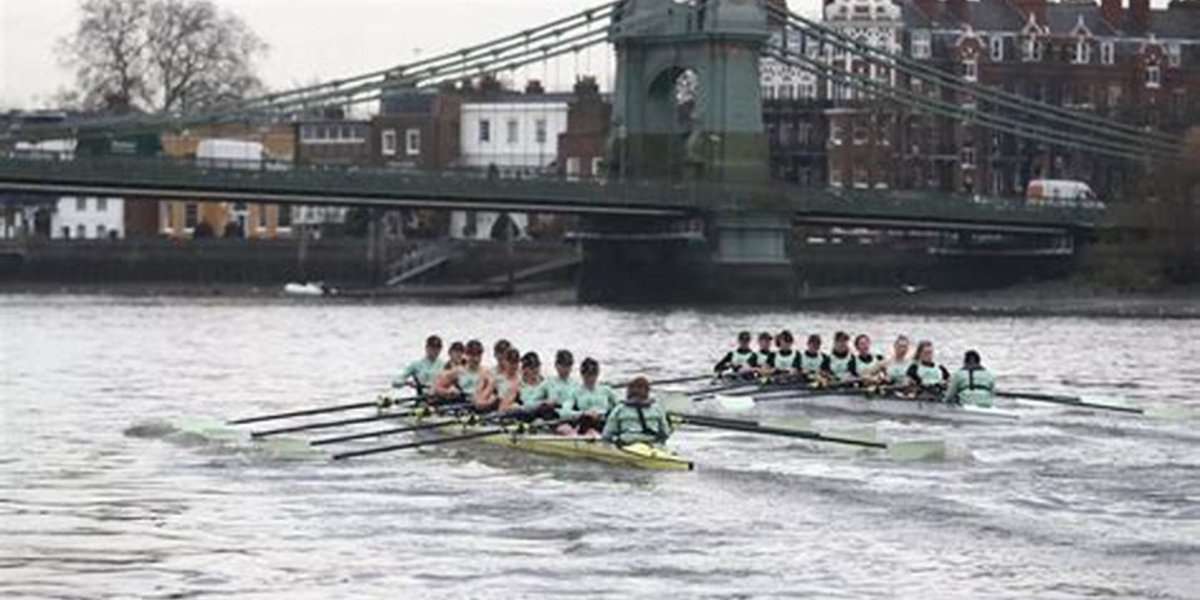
(161, 55)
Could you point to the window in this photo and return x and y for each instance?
(101, 204)
(191, 215)
(307, 132)
(835, 177)
(970, 70)
(1174, 54)
(808, 90)
(262, 216)
(101, 232)
(387, 142)
(597, 166)
(769, 92)
(285, 215)
(572, 167)
(322, 132)
(485, 131)
(1030, 49)
(81, 204)
(968, 157)
(81, 232)
(513, 131)
(412, 142)
(1153, 76)
(66, 232)
(836, 132)
(920, 44)
(1106, 53)
(1114, 94)
(997, 48)
(861, 135)
(539, 131)
(1081, 53)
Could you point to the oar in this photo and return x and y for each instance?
(340, 422)
(1078, 402)
(907, 450)
(381, 402)
(383, 432)
(668, 381)
(474, 435)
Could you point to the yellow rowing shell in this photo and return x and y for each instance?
(639, 456)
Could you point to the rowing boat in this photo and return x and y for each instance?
(640, 456)
(890, 406)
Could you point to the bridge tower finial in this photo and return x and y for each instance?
(687, 104)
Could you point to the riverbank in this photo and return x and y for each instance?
(1055, 298)
(1059, 298)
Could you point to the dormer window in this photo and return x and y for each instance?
(1107, 53)
(997, 44)
(921, 46)
(1081, 53)
(1153, 76)
(1174, 54)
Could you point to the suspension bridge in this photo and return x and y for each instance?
(704, 169)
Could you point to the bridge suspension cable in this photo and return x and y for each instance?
(567, 34)
(1106, 128)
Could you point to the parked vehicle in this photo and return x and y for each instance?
(1066, 193)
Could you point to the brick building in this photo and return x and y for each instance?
(1133, 64)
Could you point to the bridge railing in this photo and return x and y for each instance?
(132, 176)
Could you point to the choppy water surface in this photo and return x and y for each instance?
(1062, 505)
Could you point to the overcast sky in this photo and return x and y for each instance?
(310, 40)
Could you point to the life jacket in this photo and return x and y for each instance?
(975, 385)
(898, 370)
(928, 375)
(839, 366)
(781, 361)
(637, 422)
(811, 363)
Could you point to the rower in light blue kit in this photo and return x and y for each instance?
(534, 396)
(925, 376)
(561, 387)
(972, 384)
(589, 403)
(638, 419)
(422, 373)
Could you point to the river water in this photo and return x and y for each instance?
(1064, 504)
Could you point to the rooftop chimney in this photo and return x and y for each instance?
(929, 8)
(1111, 9)
(1035, 7)
(534, 88)
(960, 10)
(1139, 15)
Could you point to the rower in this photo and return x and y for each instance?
(863, 363)
(895, 369)
(812, 360)
(534, 396)
(764, 352)
(836, 367)
(499, 351)
(638, 419)
(423, 371)
(740, 360)
(500, 391)
(926, 376)
(457, 354)
(972, 384)
(589, 403)
(785, 362)
(560, 388)
(460, 382)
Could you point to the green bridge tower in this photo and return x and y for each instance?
(687, 108)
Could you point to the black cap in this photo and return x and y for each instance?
(971, 358)
(564, 358)
(841, 336)
(814, 339)
(457, 347)
(766, 337)
(531, 359)
(785, 336)
(744, 336)
(589, 366)
(433, 340)
(475, 347)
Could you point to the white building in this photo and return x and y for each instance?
(515, 135)
(88, 218)
(874, 23)
(787, 81)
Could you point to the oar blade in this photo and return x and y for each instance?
(734, 403)
(675, 402)
(1172, 412)
(289, 448)
(917, 450)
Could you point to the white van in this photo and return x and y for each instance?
(230, 154)
(1061, 192)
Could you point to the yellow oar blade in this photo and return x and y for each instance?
(916, 450)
